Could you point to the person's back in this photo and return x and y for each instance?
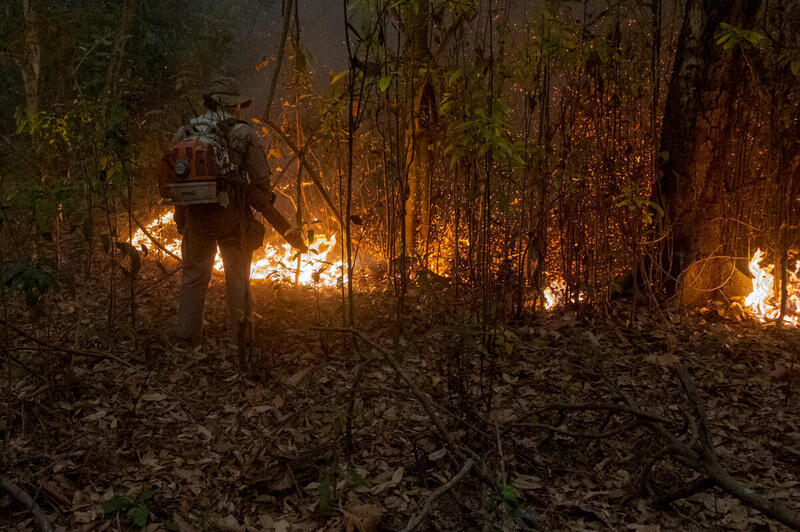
(227, 222)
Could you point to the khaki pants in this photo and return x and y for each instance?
(198, 249)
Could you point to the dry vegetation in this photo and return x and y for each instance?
(518, 202)
(320, 431)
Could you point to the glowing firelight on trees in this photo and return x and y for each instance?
(764, 301)
(278, 261)
(274, 261)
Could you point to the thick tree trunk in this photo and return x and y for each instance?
(695, 146)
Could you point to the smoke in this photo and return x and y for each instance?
(258, 25)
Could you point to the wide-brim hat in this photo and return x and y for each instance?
(224, 92)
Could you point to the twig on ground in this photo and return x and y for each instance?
(19, 494)
(583, 435)
(438, 492)
(500, 455)
(628, 409)
(77, 352)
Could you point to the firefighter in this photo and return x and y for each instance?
(229, 223)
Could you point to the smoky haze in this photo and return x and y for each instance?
(258, 38)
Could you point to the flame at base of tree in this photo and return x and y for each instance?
(276, 261)
(765, 301)
(555, 294)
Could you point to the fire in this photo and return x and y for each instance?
(554, 294)
(274, 261)
(765, 301)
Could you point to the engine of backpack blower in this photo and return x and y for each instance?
(189, 174)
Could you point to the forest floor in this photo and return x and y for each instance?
(109, 430)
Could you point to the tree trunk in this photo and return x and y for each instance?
(695, 146)
(420, 125)
(30, 64)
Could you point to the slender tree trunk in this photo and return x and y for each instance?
(117, 54)
(30, 64)
(420, 125)
(298, 140)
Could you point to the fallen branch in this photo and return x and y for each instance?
(628, 409)
(77, 352)
(153, 239)
(713, 468)
(27, 500)
(583, 435)
(696, 452)
(438, 492)
(687, 490)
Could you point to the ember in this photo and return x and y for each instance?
(277, 260)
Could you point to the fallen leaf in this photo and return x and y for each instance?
(153, 397)
(295, 379)
(362, 517)
(230, 524)
(528, 482)
(397, 476)
(667, 359)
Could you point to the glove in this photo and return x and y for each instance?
(295, 238)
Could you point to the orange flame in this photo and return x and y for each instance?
(763, 301)
(554, 294)
(274, 261)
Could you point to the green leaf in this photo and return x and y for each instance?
(139, 514)
(655, 206)
(509, 495)
(117, 503)
(795, 66)
(384, 82)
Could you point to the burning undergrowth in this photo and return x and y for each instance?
(275, 260)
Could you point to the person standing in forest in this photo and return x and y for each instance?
(229, 223)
